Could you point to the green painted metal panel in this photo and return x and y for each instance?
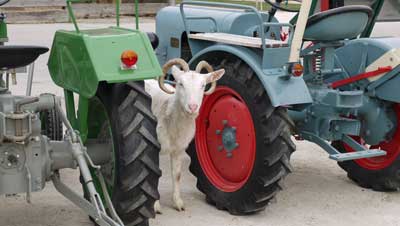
(3, 31)
(79, 61)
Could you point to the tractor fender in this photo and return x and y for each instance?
(281, 92)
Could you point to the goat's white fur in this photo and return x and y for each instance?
(176, 119)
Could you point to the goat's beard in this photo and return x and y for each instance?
(191, 114)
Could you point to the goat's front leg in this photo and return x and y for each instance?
(176, 165)
(157, 207)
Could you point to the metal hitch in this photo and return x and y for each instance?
(94, 207)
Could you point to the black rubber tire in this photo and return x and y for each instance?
(52, 126)
(137, 151)
(387, 179)
(274, 145)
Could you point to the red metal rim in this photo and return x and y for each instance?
(228, 174)
(392, 148)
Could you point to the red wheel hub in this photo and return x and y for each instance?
(392, 148)
(225, 140)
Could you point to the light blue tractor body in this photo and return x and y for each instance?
(266, 62)
(316, 109)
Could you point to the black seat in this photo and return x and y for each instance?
(338, 24)
(19, 56)
(153, 39)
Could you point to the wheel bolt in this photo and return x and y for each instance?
(218, 132)
(220, 148)
(229, 154)
(224, 122)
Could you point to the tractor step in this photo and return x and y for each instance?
(360, 153)
(357, 155)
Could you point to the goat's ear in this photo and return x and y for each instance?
(176, 72)
(215, 76)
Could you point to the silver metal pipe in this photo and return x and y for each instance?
(30, 79)
(25, 101)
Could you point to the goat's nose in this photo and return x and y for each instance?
(193, 107)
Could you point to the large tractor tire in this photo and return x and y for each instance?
(241, 151)
(378, 173)
(120, 118)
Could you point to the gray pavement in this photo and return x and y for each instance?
(317, 193)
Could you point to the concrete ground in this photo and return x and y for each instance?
(317, 193)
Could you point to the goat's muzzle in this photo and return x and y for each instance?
(167, 66)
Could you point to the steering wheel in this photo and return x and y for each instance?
(277, 5)
(2, 2)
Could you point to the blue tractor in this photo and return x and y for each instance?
(319, 78)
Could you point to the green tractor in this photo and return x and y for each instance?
(110, 132)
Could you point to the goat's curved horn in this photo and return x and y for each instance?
(204, 65)
(167, 66)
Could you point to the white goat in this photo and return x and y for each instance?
(176, 110)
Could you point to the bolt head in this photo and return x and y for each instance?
(229, 154)
(218, 132)
(220, 148)
(224, 122)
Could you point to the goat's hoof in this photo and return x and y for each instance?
(157, 207)
(179, 205)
